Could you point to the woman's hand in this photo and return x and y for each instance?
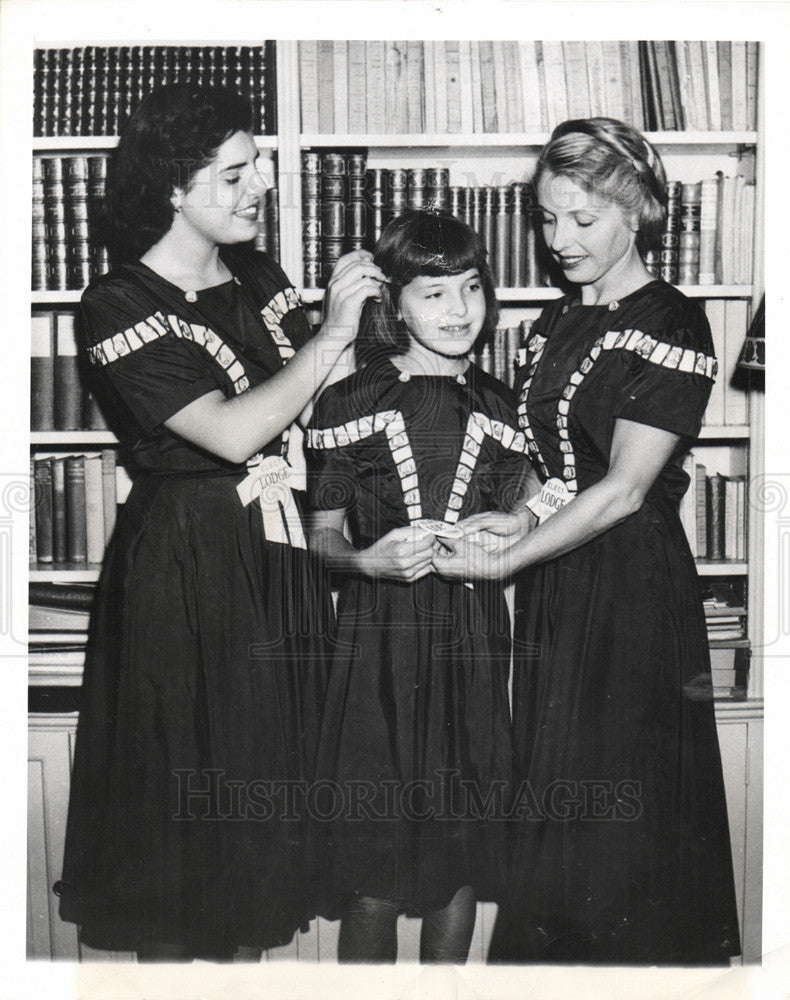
(355, 279)
(494, 530)
(404, 554)
(472, 558)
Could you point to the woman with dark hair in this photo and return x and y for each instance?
(622, 850)
(416, 730)
(205, 671)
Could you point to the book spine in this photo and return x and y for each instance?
(596, 78)
(375, 86)
(715, 500)
(59, 522)
(476, 87)
(311, 219)
(42, 372)
(740, 521)
(556, 88)
(575, 60)
(664, 85)
(707, 233)
(109, 491)
(701, 494)
(651, 99)
(55, 90)
(737, 85)
(613, 80)
(453, 56)
(429, 60)
(752, 73)
(674, 85)
(77, 225)
(415, 86)
(308, 85)
(40, 109)
(502, 237)
(501, 84)
(637, 107)
(94, 510)
(670, 239)
(40, 242)
(438, 188)
(712, 77)
(515, 104)
(417, 187)
(490, 121)
(467, 126)
(44, 511)
(488, 226)
(512, 343)
(357, 90)
(530, 87)
(518, 238)
(690, 208)
(714, 412)
(735, 327)
(499, 355)
(97, 177)
(356, 210)
(273, 222)
(334, 201)
(326, 86)
(340, 83)
(533, 272)
(76, 528)
(724, 53)
(730, 517)
(68, 389)
(392, 72)
(55, 220)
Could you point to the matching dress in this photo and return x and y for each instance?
(415, 750)
(204, 677)
(622, 851)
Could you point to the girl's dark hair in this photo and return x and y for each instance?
(174, 132)
(611, 159)
(427, 242)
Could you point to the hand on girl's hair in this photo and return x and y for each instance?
(355, 279)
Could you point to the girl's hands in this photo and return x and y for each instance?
(482, 552)
(404, 554)
(355, 278)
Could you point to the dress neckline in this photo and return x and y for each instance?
(189, 295)
(573, 300)
(460, 378)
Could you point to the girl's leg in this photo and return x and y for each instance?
(447, 934)
(369, 931)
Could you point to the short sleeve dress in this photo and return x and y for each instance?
(622, 850)
(416, 738)
(205, 669)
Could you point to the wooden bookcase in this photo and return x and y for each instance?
(688, 156)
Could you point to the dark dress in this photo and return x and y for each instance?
(204, 674)
(416, 731)
(622, 851)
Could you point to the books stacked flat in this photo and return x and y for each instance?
(75, 501)
(94, 90)
(58, 621)
(467, 87)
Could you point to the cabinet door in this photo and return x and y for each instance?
(48, 771)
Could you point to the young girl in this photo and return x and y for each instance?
(416, 742)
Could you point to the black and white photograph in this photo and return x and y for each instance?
(401, 477)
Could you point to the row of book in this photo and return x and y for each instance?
(466, 87)
(93, 90)
(713, 513)
(709, 233)
(499, 355)
(75, 501)
(68, 192)
(707, 240)
(58, 399)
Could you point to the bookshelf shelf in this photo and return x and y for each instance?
(530, 140)
(725, 432)
(56, 297)
(73, 145)
(54, 675)
(75, 438)
(729, 643)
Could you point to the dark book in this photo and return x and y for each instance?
(60, 543)
(534, 273)
(78, 89)
(487, 229)
(89, 90)
(715, 507)
(663, 88)
(43, 509)
(77, 224)
(689, 236)
(502, 238)
(475, 210)
(311, 219)
(113, 109)
(752, 57)
(437, 193)
(701, 512)
(377, 182)
(68, 388)
(39, 236)
(651, 97)
(31, 518)
(518, 238)
(39, 91)
(42, 372)
(334, 176)
(417, 187)
(76, 523)
(55, 220)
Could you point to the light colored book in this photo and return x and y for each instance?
(415, 73)
(340, 84)
(467, 103)
(357, 88)
(712, 77)
(94, 509)
(440, 86)
(695, 54)
(534, 114)
(501, 84)
(738, 84)
(556, 89)
(707, 230)
(453, 53)
(476, 87)
(375, 85)
(515, 106)
(429, 58)
(735, 326)
(308, 84)
(576, 84)
(613, 80)
(714, 413)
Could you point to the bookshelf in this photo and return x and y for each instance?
(729, 443)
